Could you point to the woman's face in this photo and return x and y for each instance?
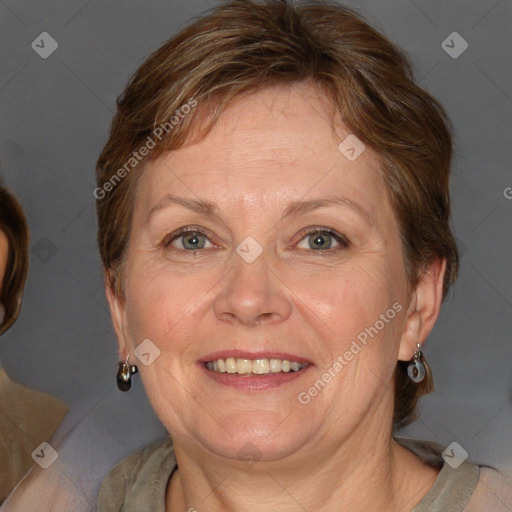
(255, 282)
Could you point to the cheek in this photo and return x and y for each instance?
(353, 298)
(358, 314)
(161, 305)
(361, 311)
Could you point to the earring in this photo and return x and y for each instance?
(124, 374)
(416, 370)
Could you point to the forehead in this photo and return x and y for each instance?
(276, 143)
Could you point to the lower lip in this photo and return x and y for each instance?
(254, 383)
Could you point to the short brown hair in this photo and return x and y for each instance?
(14, 225)
(242, 46)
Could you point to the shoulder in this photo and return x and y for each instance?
(25, 404)
(493, 491)
(38, 413)
(140, 479)
(456, 481)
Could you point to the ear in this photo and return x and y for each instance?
(118, 313)
(423, 309)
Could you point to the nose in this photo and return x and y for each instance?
(252, 294)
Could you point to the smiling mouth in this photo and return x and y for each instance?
(250, 367)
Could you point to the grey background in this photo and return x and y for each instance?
(55, 114)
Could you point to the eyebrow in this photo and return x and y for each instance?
(301, 207)
(293, 209)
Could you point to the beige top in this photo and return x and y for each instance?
(27, 418)
(140, 480)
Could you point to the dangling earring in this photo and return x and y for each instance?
(124, 374)
(416, 370)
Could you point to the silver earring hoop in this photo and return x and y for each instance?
(416, 369)
(124, 374)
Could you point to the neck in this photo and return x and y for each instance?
(367, 473)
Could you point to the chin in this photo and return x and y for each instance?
(254, 436)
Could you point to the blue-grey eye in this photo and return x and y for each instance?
(321, 240)
(193, 241)
(188, 240)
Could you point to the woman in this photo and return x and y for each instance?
(27, 418)
(274, 225)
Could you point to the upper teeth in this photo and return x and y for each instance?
(248, 366)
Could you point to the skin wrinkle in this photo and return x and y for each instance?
(337, 451)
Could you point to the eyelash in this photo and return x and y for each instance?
(341, 239)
